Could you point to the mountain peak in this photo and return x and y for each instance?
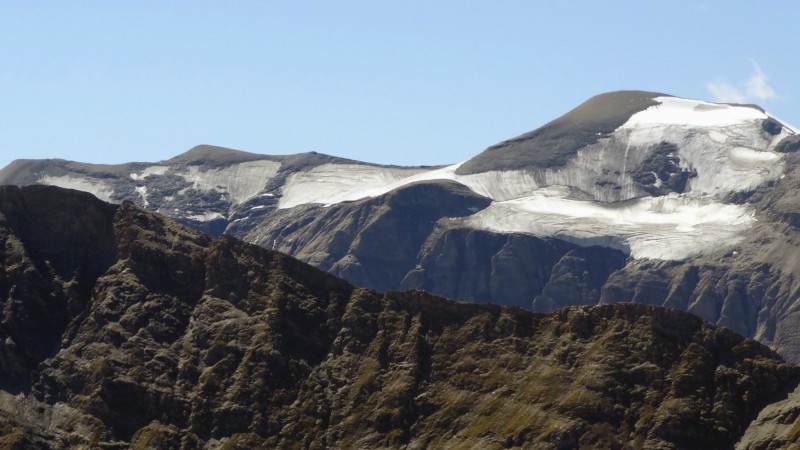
(556, 142)
(214, 155)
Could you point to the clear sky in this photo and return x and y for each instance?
(395, 82)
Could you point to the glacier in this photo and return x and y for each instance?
(597, 197)
(731, 154)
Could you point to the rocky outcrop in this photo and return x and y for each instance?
(128, 330)
(661, 172)
(521, 270)
(373, 242)
(750, 298)
(53, 248)
(776, 427)
(790, 144)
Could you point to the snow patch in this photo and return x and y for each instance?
(99, 189)
(240, 181)
(669, 227)
(142, 191)
(335, 183)
(504, 184)
(205, 217)
(716, 136)
(746, 155)
(148, 171)
(693, 113)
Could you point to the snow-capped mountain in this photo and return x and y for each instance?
(630, 196)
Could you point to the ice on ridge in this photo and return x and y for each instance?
(694, 113)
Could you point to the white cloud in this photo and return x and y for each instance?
(755, 88)
(724, 92)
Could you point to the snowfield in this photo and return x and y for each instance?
(240, 181)
(693, 113)
(335, 183)
(669, 227)
(206, 217)
(98, 188)
(142, 191)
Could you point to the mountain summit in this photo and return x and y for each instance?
(631, 196)
(556, 143)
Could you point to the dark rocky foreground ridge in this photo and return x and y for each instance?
(123, 329)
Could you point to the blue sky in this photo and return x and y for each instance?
(390, 82)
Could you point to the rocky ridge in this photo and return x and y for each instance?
(123, 329)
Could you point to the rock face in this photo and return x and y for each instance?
(632, 196)
(372, 242)
(513, 269)
(775, 428)
(123, 329)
